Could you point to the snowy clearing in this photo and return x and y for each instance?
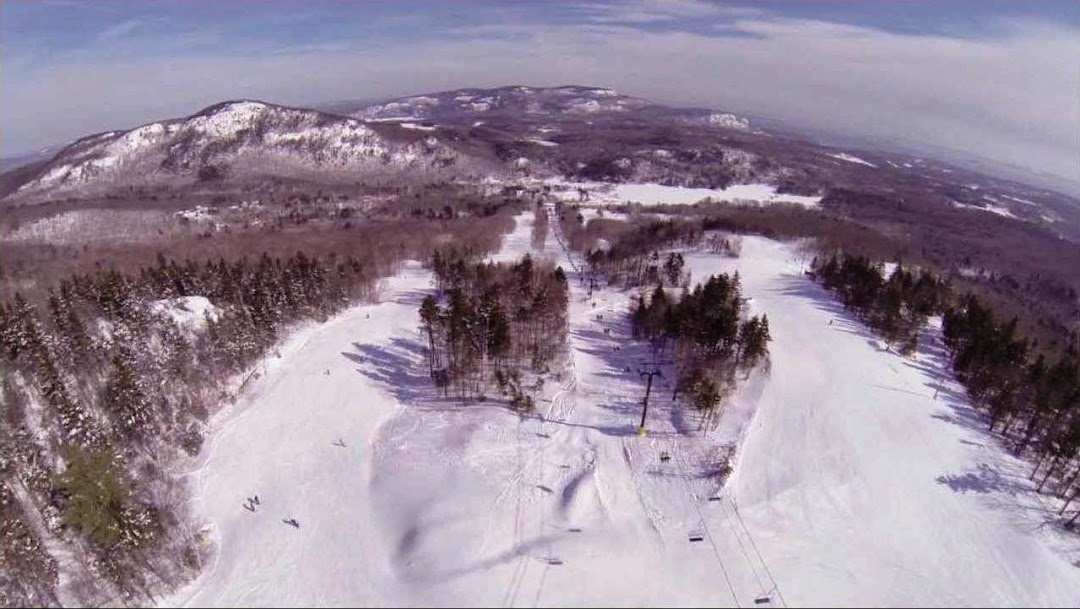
(843, 156)
(92, 226)
(188, 312)
(658, 194)
(1019, 200)
(862, 477)
(989, 207)
(592, 213)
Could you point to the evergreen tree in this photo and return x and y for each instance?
(429, 317)
(124, 397)
(94, 495)
(753, 339)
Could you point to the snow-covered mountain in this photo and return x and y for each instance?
(576, 132)
(533, 101)
(531, 104)
(238, 140)
(237, 144)
(724, 119)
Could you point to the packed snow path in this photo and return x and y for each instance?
(280, 445)
(854, 484)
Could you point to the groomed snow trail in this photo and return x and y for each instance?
(867, 477)
(279, 444)
(853, 485)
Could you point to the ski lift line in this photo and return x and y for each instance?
(680, 463)
(776, 586)
(543, 576)
(543, 526)
(522, 568)
(708, 533)
(742, 547)
(760, 559)
(753, 544)
(515, 578)
(522, 464)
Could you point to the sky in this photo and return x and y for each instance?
(1000, 80)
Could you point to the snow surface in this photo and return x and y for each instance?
(390, 119)
(843, 156)
(228, 120)
(1019, 200)
(188, 312)
(994, 209)
(863, 478)
(82, 226)
(658, 194)
(196, 214)
(589, 213)
(422, 100)
(728, 120)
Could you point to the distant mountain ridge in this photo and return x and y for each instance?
(234, 139)
(573, 131)
(243, 140)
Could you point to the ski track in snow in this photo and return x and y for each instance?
(852, 484)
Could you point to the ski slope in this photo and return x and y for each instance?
(852, 484)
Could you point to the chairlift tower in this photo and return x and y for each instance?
(649, 370)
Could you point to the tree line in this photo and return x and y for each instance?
(897, 306)
(1032, 400)
(631, 257)
(628, 253)
(487, 322)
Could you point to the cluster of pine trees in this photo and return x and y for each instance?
(100, 394)
(1033, 402)
(897, 307)
(633, 257)
(710, 340)
(621, 243)
(729, 245)
(487, 322)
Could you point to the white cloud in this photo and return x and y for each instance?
(651, 11)
(315, 47)
(120, 30)
(1012, 96)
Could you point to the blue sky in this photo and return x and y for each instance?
(1000, 79)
